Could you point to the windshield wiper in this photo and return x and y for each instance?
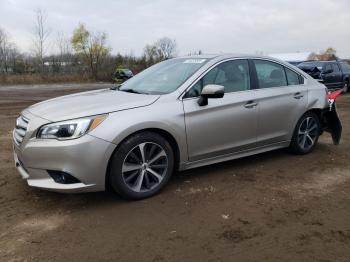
(116, 87)
(130, 90)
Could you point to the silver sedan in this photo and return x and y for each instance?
(179, 114)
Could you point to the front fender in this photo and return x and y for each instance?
(169, 118)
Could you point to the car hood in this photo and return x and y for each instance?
(89, 103)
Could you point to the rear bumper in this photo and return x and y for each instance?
(85, 158)
(331, 123)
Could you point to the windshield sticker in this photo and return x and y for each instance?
(194, 61)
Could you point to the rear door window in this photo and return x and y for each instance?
(335, 68)
(270, 74)
(292, 77)
(345, 67)
(327, 67)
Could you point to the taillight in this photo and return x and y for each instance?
(334, 95)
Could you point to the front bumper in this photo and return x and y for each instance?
(85, 158)
(39, 178)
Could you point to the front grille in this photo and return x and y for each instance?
(20, 129)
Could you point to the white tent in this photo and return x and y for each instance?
(292, 57)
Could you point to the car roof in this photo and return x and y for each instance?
(227, 56)
(322, 62)
(219, 57)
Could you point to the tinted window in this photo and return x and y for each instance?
(327, 67)
(292, 77)
(233, 75)
(335, 67)
(345, 67)
(311, 65)
(270, 74)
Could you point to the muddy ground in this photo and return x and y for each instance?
(270, 207)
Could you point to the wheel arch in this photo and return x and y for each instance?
(295, 146)
(165, 134)
(316, 111)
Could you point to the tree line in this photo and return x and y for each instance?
(82, 56)
(85, 55)
(327, 55)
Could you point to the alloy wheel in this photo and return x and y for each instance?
(307, 133)
(144, 167)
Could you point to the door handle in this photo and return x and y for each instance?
(298, 95)
(250, 104)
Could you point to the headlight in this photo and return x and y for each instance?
(70, 129)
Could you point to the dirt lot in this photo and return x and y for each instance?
(271, 207)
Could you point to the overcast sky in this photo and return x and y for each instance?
(235, 26)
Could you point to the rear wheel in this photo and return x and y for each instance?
(141, 166)
(306, 134)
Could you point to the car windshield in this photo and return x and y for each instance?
(164, 77)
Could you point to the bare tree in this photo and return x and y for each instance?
(163, 48)
(64, 57)
(313, 56)
(152, 54)
(329, 54)
(166, 47)
(8, 52)
(41, 34)
(3, 47)
(2, 35)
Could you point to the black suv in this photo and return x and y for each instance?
(334, 74)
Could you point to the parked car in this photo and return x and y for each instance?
(334, 74)
(122, 74)
(178, 114)
(294, 63)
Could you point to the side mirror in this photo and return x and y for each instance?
(211, 91)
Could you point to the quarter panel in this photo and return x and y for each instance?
(317, 96)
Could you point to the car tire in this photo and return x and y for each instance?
(141, 166)
(306, 134)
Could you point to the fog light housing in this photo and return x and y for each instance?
(62, 177)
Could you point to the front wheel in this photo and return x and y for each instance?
(141, 166)
(306, 134)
